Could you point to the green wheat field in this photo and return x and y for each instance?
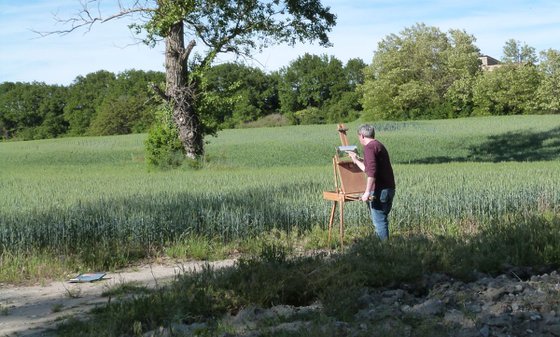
(94, 201)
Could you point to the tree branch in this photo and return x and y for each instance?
(85, 19)
(187, 52)
(161, 93)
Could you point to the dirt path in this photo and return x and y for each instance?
(32, 310)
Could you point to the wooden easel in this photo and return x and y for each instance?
(350, 182)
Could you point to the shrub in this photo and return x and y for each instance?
(163, 147)
(267, 121)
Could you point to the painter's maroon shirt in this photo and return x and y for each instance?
(378, 165)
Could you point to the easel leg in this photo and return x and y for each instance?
(341, 227)
(333, 210)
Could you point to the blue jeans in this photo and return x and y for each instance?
(379, 208)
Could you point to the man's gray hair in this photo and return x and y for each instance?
(366, 130)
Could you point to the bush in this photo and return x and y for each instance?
(310, 115)
(271, 120)
(163, 147)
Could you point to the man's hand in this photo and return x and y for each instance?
(352, 155)
(365, 196)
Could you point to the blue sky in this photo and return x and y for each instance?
(361, 25)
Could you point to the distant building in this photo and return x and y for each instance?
(489, 63)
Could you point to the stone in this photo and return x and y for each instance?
(429, 307)
(485, 331)
(457, 317)
(494, 294)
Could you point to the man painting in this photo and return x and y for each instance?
(380, 182)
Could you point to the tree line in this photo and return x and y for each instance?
(313, 89)
(100, 103)
(419, 73)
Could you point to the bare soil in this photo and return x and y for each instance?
(33, 310)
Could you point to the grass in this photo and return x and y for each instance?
(337, 281)
(477, 194)
(74, 204)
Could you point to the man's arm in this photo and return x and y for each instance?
(356, 161)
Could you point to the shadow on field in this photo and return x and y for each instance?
(524, 244)
(511, 146)
(519, 146)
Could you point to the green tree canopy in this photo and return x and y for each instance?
(507, 90)
(548, 93)
(240, 94)
(129, 104)
(85, 95)
(518, 52)
(31, 110)
(354, 70)
(413, 74)
(311, 81)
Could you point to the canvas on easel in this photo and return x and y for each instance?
(350, 182)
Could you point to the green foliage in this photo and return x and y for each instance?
(163, 19)
(411, 74)
(31, 110)
(517, 52)
(507, 90)
(103, 103)
(163, 147)
(84, 96)
(548, 93)
(346, 109)
(272, 120)
(310, 115)
(421, 73)
(100, 103)
(33, 266)
(129, 106)
(257, 24)
(115, 115)
(242, 94)
(311, 82)
(354, 70)
(460, 98)
(198, 247)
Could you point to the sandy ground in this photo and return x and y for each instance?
(33, 310)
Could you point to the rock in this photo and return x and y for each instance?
(535, 316)
(499, 321)
(281, 311)
(395, 294)
(474, 308)
(493, 294)
(485, 331)
(457, 317)
(176, 330)
(289, 327)
(489, 307)
(365, 300)
(429, 308)
(553, 329)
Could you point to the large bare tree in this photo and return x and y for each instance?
(218, 26)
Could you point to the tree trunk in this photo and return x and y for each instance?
(181, 92)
